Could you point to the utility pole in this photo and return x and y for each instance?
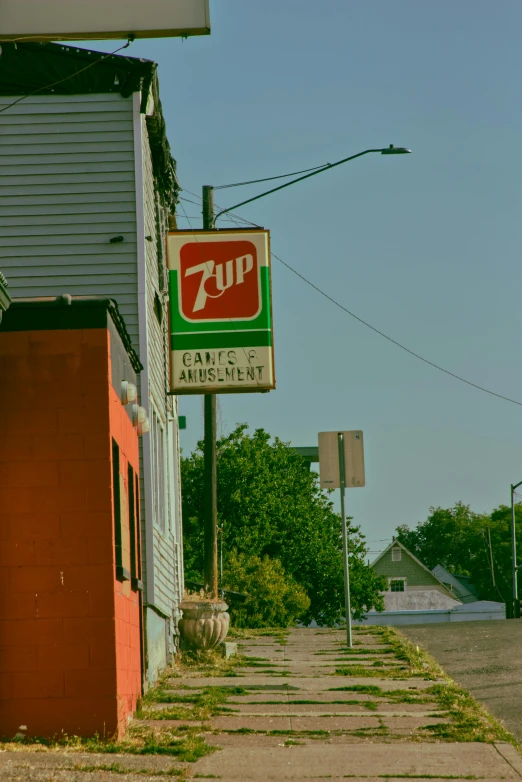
(210, 454)
(516, 604)
(342, 480)
(491, 559)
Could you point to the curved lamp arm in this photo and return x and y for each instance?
(391, 150)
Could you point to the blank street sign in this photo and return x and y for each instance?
(329, 459)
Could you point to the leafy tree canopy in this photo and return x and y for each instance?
(270, 505)
(459, 540)
(274, 599)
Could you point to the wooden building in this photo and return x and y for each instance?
(87, 187)
(410, 585)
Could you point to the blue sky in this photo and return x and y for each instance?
(425, 247)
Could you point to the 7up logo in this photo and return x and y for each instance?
(219, 281)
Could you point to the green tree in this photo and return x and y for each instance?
(274, 599)
(269, 504)
(459, 539)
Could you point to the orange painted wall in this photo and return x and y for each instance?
(127, 603)
(69, 638)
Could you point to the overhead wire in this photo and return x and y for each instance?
(394, 341)
(271, 178)
(373, 328)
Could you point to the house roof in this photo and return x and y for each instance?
(55, 69)
(396, 543)
(465, 590)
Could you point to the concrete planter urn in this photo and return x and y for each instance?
(204, 624)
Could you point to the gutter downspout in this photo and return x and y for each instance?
(143, 339)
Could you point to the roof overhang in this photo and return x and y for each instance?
(96, 20)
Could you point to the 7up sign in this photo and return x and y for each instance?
(220, 311)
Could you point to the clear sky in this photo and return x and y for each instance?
(425, 247)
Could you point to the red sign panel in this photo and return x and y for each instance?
(219, 281)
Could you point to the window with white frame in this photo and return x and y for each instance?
(396, 554)
(158, 447)
(397, 584)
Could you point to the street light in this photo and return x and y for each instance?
(391, 150)
(210, 452)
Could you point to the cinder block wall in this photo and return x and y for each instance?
(69, 630)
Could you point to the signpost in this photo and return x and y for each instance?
(88, 20)
(221, 313)
(341, 465)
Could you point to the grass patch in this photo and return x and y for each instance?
(292, 743)
(204, 663)
(186, 745)
(323, 703)
(368, 689)
(469, 720)
(415, 661)
(204, 705)
(279, 634)
(398, 672)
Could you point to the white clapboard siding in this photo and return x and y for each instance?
(166, 588)
(67, 186)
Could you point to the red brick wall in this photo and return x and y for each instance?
(62, 615)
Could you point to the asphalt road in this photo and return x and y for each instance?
(483, 657)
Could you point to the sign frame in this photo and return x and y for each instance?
(329, 473)
(248, 327)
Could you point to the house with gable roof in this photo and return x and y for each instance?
(411, 586)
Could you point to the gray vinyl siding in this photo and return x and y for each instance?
(67, 186)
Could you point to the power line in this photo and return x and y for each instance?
(61, 81)
(393, 341)
(373, 328)
(270, 178)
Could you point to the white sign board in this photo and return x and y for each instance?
(329, 476)
(88, 20)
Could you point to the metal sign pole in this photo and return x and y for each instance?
(342, 482)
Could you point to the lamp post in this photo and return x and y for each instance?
(516, 604)
(210, 452)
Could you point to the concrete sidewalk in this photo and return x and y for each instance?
(311, 728)
(306, 709)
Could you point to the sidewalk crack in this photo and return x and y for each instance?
(516, 770)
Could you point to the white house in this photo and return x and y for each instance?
(87, 186)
